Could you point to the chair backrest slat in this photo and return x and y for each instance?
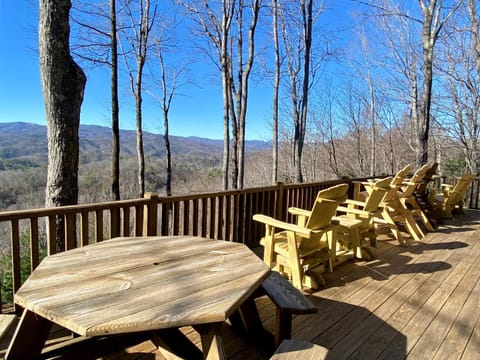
(325, 206)
(376, 195)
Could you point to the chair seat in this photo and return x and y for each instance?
(349, 223)
(307, 248)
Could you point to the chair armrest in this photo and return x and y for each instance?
(355, 203)
(267, 220)
(354, 211)
(298, 211)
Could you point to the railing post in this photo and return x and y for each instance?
(150, 215)
(279, 203)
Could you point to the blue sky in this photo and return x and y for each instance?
(197, 112)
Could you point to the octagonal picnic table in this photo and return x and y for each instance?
(137, 284)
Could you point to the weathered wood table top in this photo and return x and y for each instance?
(137, 284)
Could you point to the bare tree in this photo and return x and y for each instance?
(276, 86)
(141, 23)
(96, 43)
(223, 26)
(371, 105)
(63, 84)
(115, 105)
(296, 25)
(215, 24)
(434, 14)
(169, 82)
(461, 68)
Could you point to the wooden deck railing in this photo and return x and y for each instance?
(225, 215)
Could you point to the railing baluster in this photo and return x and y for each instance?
(84, 234)
(220, 233)
(15, 251)
(165, 217)
(195, 231)
(114, 222)
(70, 236)
(138, 220)
(52, 235)
(186, 217)
(34, 245)
(211, 217)
(126, 221)
(204, 218)
(176, 218)
(98, 225)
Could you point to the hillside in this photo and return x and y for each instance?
(25, 145)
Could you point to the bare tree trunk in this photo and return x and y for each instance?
(141, 30)
(276, 86)
(431, 27)
(307, 10)
(63, 84)
(428, 40)
(372, 115)
(225, 29)
(139, 128)
(243, 85)
(115, 107)
(235, 89)
(168, 154)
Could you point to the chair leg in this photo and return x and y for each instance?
(268, 251)
(422, 216)
(332, 248)
(295, 267)
(393, 227)
(356, 244)
(412, 226)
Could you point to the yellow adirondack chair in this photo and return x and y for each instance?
(394, 211)
(409, 201)
(452, 197)
(366, 211)
(304, 250)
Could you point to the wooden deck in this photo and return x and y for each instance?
(420, 302)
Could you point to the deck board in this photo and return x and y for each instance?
(420, 302)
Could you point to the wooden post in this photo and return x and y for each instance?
(278, 207)
(150, 215)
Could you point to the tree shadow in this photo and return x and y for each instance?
(350, 331)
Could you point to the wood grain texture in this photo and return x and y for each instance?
(295, 349)
(136, 284)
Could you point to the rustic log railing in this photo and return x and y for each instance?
(225, 215)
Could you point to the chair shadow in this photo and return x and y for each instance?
(419, 247)
(339, 325)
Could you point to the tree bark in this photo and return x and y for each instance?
(63, 84)
(225, 29)
(276, 86)
(300, 130)
(115, 106)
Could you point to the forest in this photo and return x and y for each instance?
(396, 83)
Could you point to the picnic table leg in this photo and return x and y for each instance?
(212, 343)
(29, 338)
(246, 320)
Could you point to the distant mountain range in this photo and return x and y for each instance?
(25, 144)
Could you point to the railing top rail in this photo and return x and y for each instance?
(43, 212)
(61, 210)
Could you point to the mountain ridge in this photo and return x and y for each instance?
(25, 144)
